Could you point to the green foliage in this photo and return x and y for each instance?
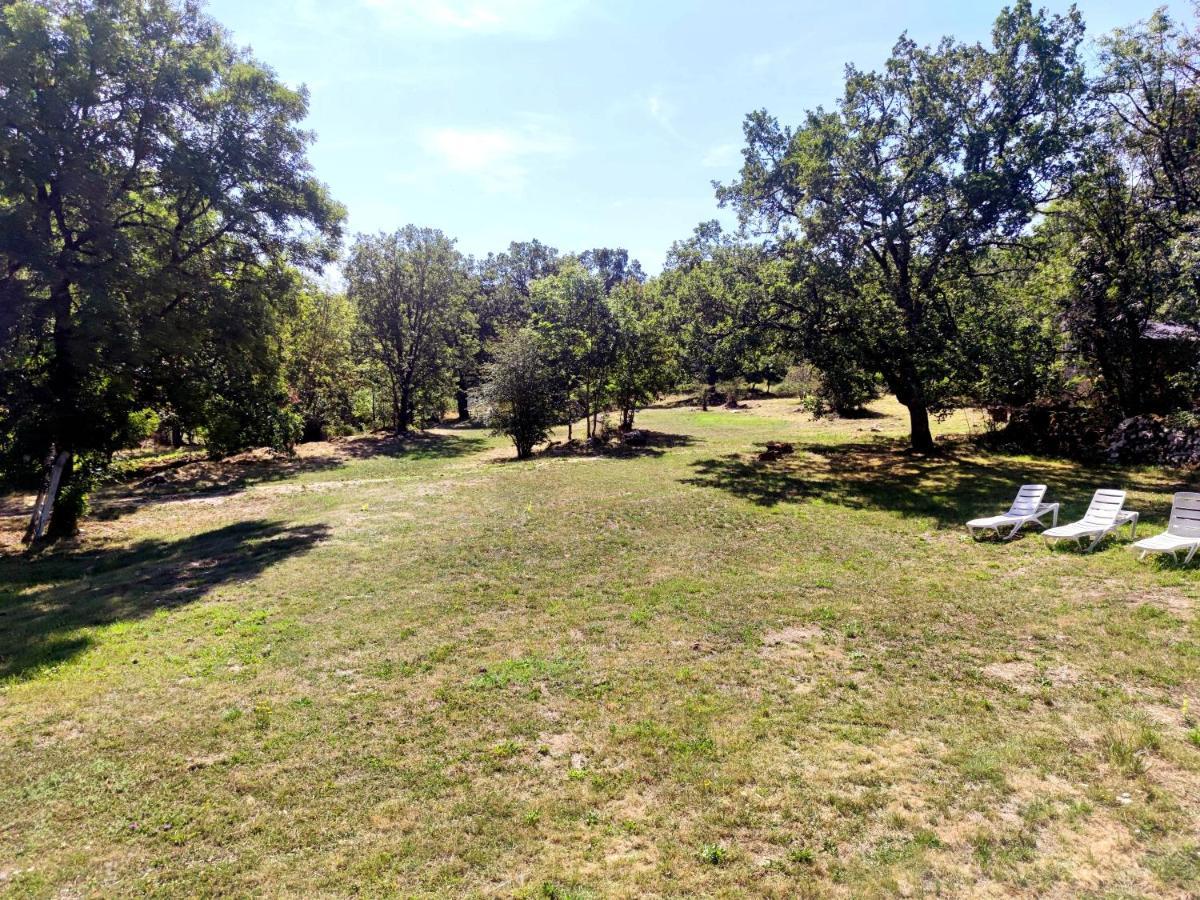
(519, 396)
(770, 369)
(713, 854)
(142, 425)
(260, 419)
(412, 291)
(153, 190)
(323, 375)
(571, 313)
(841, 390)
(711, 286)
(1128, 232)
(613, 266)
(645, 362)
(883, 205)
(1008, 327)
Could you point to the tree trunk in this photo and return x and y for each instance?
(44, 511)
(406, 415)
(64, 517)
(37, 521)
(396, 416)
(61, 519)
(921, 437)
(464, 406)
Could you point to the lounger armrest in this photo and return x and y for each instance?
(1129, 517)
(1044, 508)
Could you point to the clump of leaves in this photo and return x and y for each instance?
(802, 855)
(714, 854)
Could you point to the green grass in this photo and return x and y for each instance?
(418, 668)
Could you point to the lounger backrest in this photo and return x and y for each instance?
(1029, 498)
(1106, 505)
(1185, 515)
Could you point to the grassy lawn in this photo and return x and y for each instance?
(424, 669)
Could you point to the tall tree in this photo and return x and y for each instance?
(645, 353)
(613, 265)
(893, 197)
(153, 188)
(502, 303)
(411, 289)
(710, 283)
(321, 371)
(571, 313)
(1149, 90)
(1131, 228)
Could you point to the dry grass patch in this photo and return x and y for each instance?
(400, 669)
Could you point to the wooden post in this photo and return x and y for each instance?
(44, 507)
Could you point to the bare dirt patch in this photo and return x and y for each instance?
(1027, 678)
(793, 634)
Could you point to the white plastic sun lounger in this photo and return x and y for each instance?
(1104, 516)
(1027, 508)
(1183, 532)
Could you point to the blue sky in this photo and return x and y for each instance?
(581, 124)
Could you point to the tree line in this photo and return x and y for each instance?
(422, 330)
(991, 224)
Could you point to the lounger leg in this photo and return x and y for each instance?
(1092, 545)
(1191, 553)
(1012, 534)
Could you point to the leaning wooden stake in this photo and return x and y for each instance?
(44, 507)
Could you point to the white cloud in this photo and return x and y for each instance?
(535, 18)
(770, 59)
(658, 109)
(499, 157)
(662, 111)
(721, 156)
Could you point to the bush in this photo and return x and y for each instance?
(843, 393)
(846, 391)
(519, 397)
(800, 381)
(1064, 426)
(231, 428)
(142, 425)
(1077, 429)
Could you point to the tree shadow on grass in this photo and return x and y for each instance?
(950, 488)
(46, 600)
(191, 478)
(651, 443)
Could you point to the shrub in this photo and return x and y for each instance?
(714, 854)
(519, 397)
(1065, 426)
(800, 381)
(258, 422)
